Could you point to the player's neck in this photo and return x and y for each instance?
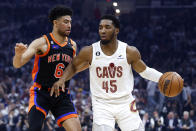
(110, 48)
(59, 38)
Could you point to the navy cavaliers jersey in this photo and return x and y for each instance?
(49, 67)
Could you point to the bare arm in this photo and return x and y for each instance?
(134, 58)
(78, 64)
(23, 53)
(85, 66)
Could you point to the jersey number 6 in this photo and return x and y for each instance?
(59, 70)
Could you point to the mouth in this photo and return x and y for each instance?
(68, 31)
(103, 37)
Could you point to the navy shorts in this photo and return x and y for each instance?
(61, 107)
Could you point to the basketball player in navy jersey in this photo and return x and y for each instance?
(53, 52)
(111, 79)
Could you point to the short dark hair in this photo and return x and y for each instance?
(113, 18)
(59, 11)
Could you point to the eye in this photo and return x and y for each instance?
(67, 21)
(108, 27)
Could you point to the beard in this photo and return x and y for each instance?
(62, 33)
(105, 42)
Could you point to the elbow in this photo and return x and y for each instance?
(75, 70)
(16, 65)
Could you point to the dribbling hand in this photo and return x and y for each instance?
(55, 88)
(20, 48)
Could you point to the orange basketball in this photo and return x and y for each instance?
(170, 84)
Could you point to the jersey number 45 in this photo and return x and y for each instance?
(113, 86)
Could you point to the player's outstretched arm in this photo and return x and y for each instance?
(23, 53)
(134, 58)
(78, 64)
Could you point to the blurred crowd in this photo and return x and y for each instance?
(165, 38)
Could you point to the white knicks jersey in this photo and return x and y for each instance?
(110, 76)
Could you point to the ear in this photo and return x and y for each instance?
(54, 22)
(116, 31)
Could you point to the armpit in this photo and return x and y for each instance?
(39, 52)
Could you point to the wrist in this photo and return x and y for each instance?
(151, 74)
(62, 80)
(18, 55)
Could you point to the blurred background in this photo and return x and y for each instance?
(164, 31)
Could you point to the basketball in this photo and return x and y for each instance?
(170, 84)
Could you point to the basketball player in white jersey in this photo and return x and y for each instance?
(110, 62)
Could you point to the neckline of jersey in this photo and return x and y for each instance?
(109, 55)
(61, 45)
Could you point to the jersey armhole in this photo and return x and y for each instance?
(126, 46)
(74, 50)
(48, 43)
(93, 56)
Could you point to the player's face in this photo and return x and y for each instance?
(107, 31)
(63, 25)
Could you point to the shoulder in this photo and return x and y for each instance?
(95, 44)
(133, 54)
(85, 53)
(39, 42)
(122, 43)
(73, 43)
(129, 49)
(39, 45)
(132, 50)
(87, 49)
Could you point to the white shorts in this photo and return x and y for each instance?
(106, 113)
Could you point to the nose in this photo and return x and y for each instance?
(69, 25)
(102, 30)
